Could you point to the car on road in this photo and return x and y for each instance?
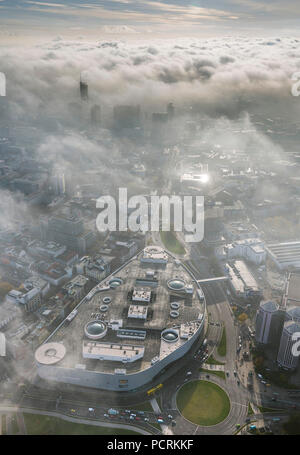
(227, 373)
(160, 421)
(235, 373)
(73, 410)
(189, 373)
(170, 417)
(146, 419)
(207, 376)
(238, 382)
(106, 416)
(238, 425)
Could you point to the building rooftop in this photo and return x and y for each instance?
(129, 325)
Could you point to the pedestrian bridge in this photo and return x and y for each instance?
(213, 280)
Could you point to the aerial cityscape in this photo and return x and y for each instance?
(149, 218)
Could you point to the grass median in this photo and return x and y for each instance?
(222, 345)
(171, 242)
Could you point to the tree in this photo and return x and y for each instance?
(5, 287)
(243, 317)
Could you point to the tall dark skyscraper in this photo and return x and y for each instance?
(84, 90)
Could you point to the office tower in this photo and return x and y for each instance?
(126, 116)
(159, 129)
(59, 183)
(293, 314)
(170, 111)
(69, 231)
(96, 115)
(84, 90)
(265, 320)
(285, 357)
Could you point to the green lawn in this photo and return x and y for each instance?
(212, 361)
(45, 425)
(221, 374)
(263, 409)
(3, 417)
(171, 243)
(222, 344)
(250, 410)
(203, 403)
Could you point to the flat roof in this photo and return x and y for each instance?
(157, 319)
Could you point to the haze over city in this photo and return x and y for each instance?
(141, 329)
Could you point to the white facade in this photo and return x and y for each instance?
(250, 249)
(285, 357)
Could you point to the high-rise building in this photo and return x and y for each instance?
(285, 357)
(127, 116)
(266, 319)
(170, 111)
(69, 231)
(58, 183)
(84, 90)
(96, 115)
(293, 314)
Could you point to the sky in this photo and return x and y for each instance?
(27, 18)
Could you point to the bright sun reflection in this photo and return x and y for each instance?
(204, 178)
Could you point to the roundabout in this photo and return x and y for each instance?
(203, 403)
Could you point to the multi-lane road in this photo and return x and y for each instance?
(61, 400)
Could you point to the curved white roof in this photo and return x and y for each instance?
(50, 353)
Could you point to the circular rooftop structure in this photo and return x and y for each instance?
(176, 284)
(175, 305)
(103, 308)
(170, 335)
(174, 314)
(95, 329)
(50, 353)
(106, 299)
(115, 282)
